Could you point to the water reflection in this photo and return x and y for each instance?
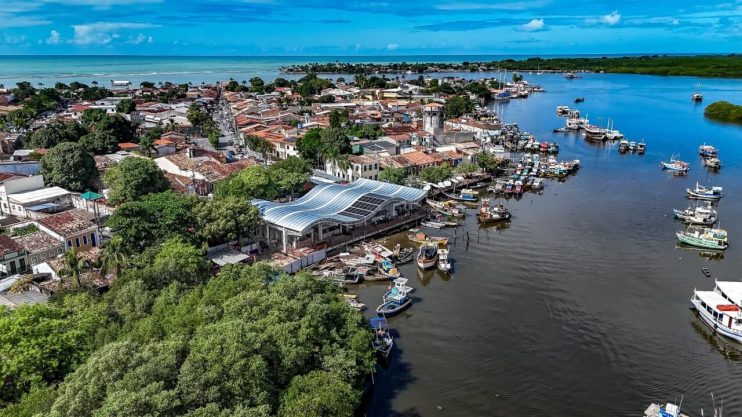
(729, 349)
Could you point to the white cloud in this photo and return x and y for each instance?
(392, 46)
(102, 33)
(534, 25)
(611, 18)
(54, 38)
(12, 40)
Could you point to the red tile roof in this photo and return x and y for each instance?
(8, 245)
(68, 222)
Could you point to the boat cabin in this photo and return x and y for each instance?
(718, 312)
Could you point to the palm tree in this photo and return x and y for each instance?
(258, 145)
(113, 258)
(74, 267)
(95, 83)
(147, 144)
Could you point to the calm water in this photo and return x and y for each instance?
(580, 306)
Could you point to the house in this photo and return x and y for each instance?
(72, 227)
(164, 147)
(129, 146)
(359, 166)
(40, 246)
(27, 197)
(13, 259)
(198, 169)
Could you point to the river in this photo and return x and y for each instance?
(580, 306)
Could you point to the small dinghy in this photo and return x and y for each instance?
(383, 341)
(706, 272)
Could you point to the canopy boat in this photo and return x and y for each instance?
(387, 268)
(579, 99)
(446, 208)
(641, 147)
(466, 195)
(704, 237)
(444, 264)
(705, 193)
(349, 275)
(703, 215)
(663, 410)
(424, 239)
(708, 151)
(632, 146)
(719, 309)
(562, 110)
(403, 255)
(675, 165)
(383, 341)
(489, 214)
(712, 163)
(400, 284)
(395, 304)
(427, 256)
(623, 145)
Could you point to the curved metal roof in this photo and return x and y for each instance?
(346, 204)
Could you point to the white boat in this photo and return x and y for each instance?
(675, 165)
(719, 310)
(595, 132)
(704, 215)
(427, 256)
(400, 285)
(562, 110)
(705, 193)
(663, 410)
(433, 224)
(444, 264)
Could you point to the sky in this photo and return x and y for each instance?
(374, 27)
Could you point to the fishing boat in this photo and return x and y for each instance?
(488, 214)
(704, 237)
(708, 151)
(518, 187)
(383, 341)
(712, 163)
(579, 99)
(720, 308)
(444, 264)
(562, 110)
(395, 304)
(706, 272)
(403, 255)
(466, 195)
(348, 275)
(697, 96)
(478, 185)
(355, 304)
(663, 410)
(623, 146)
(703, 215)
(705, 193)
(675, 165)
(427, 256)
(571, 76)
(632, 146)
(553, 148)
(422, 238)
(537, 184)
(446, 208)
(433, 224)
(387, 268)
(400, 284)
(594, 132)
(641, 147)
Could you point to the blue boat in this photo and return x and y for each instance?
(383, 341)
(394, 304)
(400, 284)
(705, 193)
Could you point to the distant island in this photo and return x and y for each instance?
(724, 111)
(728, 66)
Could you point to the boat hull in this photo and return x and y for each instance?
(696, 196)
(427, 264)
(700, 243)
(709, 321)
(387, 310)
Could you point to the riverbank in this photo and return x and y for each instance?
(724, 111)
(724, 66)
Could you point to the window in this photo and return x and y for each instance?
(13, 268)
(34, 260)
(77, 242)
(69, 244)
(22, 263)
(85, 239)
(43, 256)
(92, 239)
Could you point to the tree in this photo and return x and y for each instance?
(151, 220)
(251, 182)
(436, 174)
(310, 145)
(147, 142)
(488, 162)
(334, 143)
(225, 219)
(338, 118)
(467, 168)
(258, 144)
(125, 106)
(92, 116)
(55, 133)
(458, 106)
(133, 178)
(517, 77)
(70, 166)
(113, 257)
(147, 84)
(257, 85)
(74, 267)
(318, 394)
(179, 261)
(123, 129)
(100, 142)
(393, 175)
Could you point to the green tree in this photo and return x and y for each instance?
(179, 261)
(257, 85)
(310, 145)
(125, 106)
(318, 394)
(117, 125)
(54, 133)
(69, 165)
(74, 266)
(335, 142)
(458, 106)
(100, 142)
(393, 175)
(147, 141)
(151, 220)
(225, 219)
(467, 168)
(488, 162)
(133, 178)
(113, 257)
(92, 116)
(436, 174)
(251, 182)
(258, 145)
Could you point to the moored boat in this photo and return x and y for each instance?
(466, 195)
(383, 341)
(675, 165)
(395, 304)
(579, 99)
(422, 238)
(663, 410)
(446, 208)
(703, 215)
(387, 268)
(444, 263)
(708, 151)
(704, 237)
(705, 193)
(489, 214)
(427, 256)
(718, 310)
(433, 224)
(712, 163)
(641, 147)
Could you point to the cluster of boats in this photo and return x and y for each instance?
(700, 219)
(632, 146)
(710, 156)
(574, 122)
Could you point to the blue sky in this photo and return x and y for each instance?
(374, 27)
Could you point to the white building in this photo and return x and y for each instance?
(359, 166)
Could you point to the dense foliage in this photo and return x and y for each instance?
(133, 178)
(393, 175)
(704, 66)
(70, 166)
(724, 111)
(458, 106)
(436, 173)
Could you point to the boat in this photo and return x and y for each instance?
(348, 275)
(594, 132)
(706, 272)
(489, 214)
(703, 215)
(446, 208)
(478, 185)
(427, 256)
(562, 110)
(705, 193)
(537, 184)
(403, 255)
(708, 151)
(571, 76)
(553, 148)
(697, 96)
(355, 304)
(395, 304)
(663, 410)
(720, 309)
(632, 146)
(387, 268)
(465, 195)
(712, 163)
(400, 284)
(579, 99)
(433, 224)
(383, 341)
(641, 147)
(518, 187)
(675, 165)
(379, 251)
(623, 146)
(704, 237)
(422, 238)
(444, 264)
